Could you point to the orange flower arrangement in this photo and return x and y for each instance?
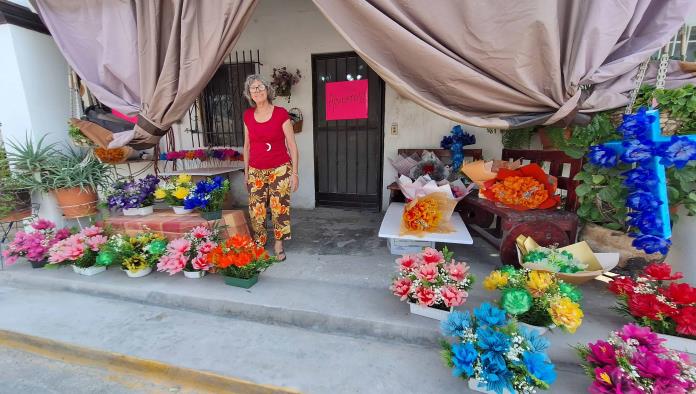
(527, 187)
(112, 156)
(240, 257)
(429, 214)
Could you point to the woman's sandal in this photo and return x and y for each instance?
(281, 253)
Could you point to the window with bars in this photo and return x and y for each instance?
(216, 117)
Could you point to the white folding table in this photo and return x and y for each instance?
(391, 228)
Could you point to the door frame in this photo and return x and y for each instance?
(382, 84)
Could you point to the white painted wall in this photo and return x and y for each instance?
(288, 32)
(34, 98)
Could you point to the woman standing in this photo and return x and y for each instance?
(270, 162)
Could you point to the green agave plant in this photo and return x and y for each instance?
(76, 168)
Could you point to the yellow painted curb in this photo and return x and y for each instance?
(188, 379)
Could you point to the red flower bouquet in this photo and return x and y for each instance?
(527, 187)
(649, 299)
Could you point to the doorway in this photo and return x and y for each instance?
(348, 154)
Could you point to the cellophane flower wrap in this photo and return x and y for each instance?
(496, 352)
(432, 278)
(554, 260)
(208, 194)
(527, 187)
(538, 298)
(190, 252)
(240, 257)
(654, 299)
(175, 190)
(133, 194)
(633, 360)
(34, 245)
(133, 253)
(79, 249)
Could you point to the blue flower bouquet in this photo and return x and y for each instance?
(207, 196)
(495, 355)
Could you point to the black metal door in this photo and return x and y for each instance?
(347, 153)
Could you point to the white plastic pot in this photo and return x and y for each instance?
(194, 274)
(142, 211)
(139, 274)
(89, 271)
(426, 311)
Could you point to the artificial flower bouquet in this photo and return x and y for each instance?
(537, 298)
(494, 354)
(174, 191)
(432, 278)
(136, 255)
(207, 196)
(527, 187)
(429, 208)
(189, 253)
(240, 260)
(576, 263)
(654, 299)
(213, 154)
(481, 171)
(79, 249)
(633, 360)
(134, 196)
(431, 166)
(34, 245)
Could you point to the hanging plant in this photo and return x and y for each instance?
(282, 81)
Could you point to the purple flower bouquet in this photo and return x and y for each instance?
(133, 194)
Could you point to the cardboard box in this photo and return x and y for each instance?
(407, 246)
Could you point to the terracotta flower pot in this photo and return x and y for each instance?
(77, 202)
(547, 143)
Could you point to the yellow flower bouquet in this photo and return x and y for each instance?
(174, 191)
(537, 298)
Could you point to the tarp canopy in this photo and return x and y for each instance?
(487, 63)
(501, 63)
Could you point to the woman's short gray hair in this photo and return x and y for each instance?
(270, 91)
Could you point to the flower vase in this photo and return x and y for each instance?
(473, 385)
(89, 271)
(428, 311)
(679, 344)
(38, 264)
(139, 273)
(540, 330)
(180, 210)
(194, 274)
(142, 211)
(214, 215)
(243, 283)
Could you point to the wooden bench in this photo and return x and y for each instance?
(443, 154)
(547, 227)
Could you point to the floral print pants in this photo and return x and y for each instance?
(270, 188)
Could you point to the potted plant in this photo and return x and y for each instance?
(189, 253)
(74, 178)
(15, 199)
(80, 250)
(282, 81)
(207, 196)
(35, 245)
(432, 282)
(537, 299)
(495, 355)
(134, 197)
(668, 310)
(136, 255)
(240, 261)
(633, 360)
(174, 191)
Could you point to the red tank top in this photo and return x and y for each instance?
(267, 147)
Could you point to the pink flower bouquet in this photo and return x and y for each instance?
(34, 246)
(189, 253)
(432, 278)
(79, 249)
(634, 361)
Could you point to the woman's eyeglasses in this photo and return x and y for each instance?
(255, 89)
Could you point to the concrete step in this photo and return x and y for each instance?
(306, 360)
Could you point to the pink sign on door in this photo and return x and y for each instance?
(346, 100)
